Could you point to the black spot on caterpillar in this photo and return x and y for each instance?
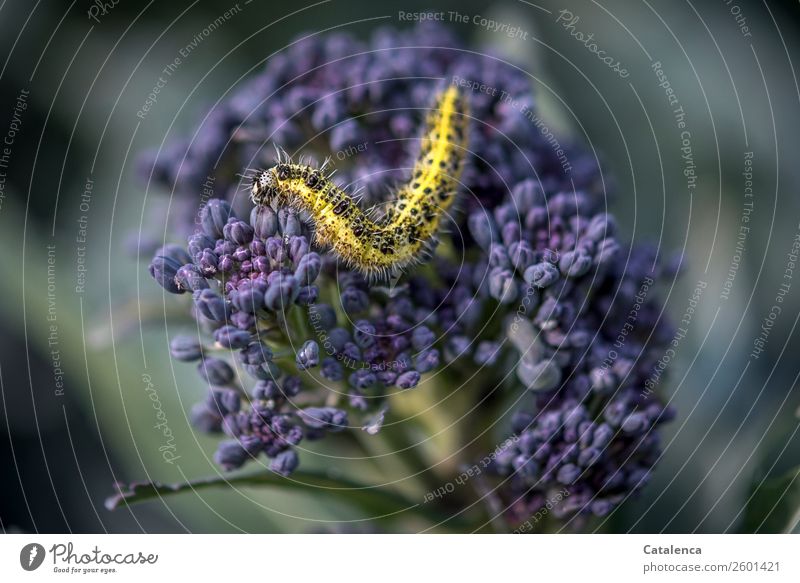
(408, 226)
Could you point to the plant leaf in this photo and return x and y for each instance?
(774, 506)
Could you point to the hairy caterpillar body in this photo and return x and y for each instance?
(409, 225)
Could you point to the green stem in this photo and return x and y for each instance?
(381, 503)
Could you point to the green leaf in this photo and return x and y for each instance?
(377, 502)
(774, 506)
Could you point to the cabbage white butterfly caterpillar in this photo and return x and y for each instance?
(409, 225)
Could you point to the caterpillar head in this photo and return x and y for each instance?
(263, 189)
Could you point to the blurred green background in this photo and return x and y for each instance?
(60, 453)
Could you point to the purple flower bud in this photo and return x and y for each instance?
(602, 436)
(243, 321)
(322, 316)
(307, 295)
(526, 195)
(186, 348)
(600, 227)
(354, 300)
(635, 423)
(308, 355)
(332, 369)
(482, 227)
(326, 113)
(256, 353)
(275, 249)
(231, 455)
(339, 337)
(502, 286)
(164, 269)
(615, 413)
(606, 250)
(525, 466)
(575, 263)
(211, 305)
(422, 337)
(505, 213)
(231, 337)
(364, 333)
(521, 255)
(372, 354)
(264, 221)
(204, 419)
(249, 298)
(427, 360)
(328, 418)
(542, 275)
(285, 462)
(175, 252)
(263, 371)
(267, 390)
(521, 421)
(602, 380)
(292, 386)
(225, 264)
(198, 243)
(588, 456)
(289, 223)
(224, 247)
(215, 371)
(214, 217)
(207, 261)
(408, 380)
(282, 292)
(386, 377)
(241, 254)
(486, 353)
(345, 134)
(536, 218)
(548, 314)
(351, 351)
(258, 264)
(568, 473)
(308, 268)
(362, 379)
(189, 278)
(224, 401)
(456, 347)
(511, 232)
(498, 256)
(298, 247)
(238, 231)
(257, 247)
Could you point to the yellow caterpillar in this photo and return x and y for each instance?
(380, 247)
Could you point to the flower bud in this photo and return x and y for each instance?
(238, 231)
(215, 371)
(232, 337)
(186, 348)
(308, 355)
(328, 418)
(164, 269)
(211, 305)
(214, 217)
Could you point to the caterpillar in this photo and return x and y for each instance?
(383, 246)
